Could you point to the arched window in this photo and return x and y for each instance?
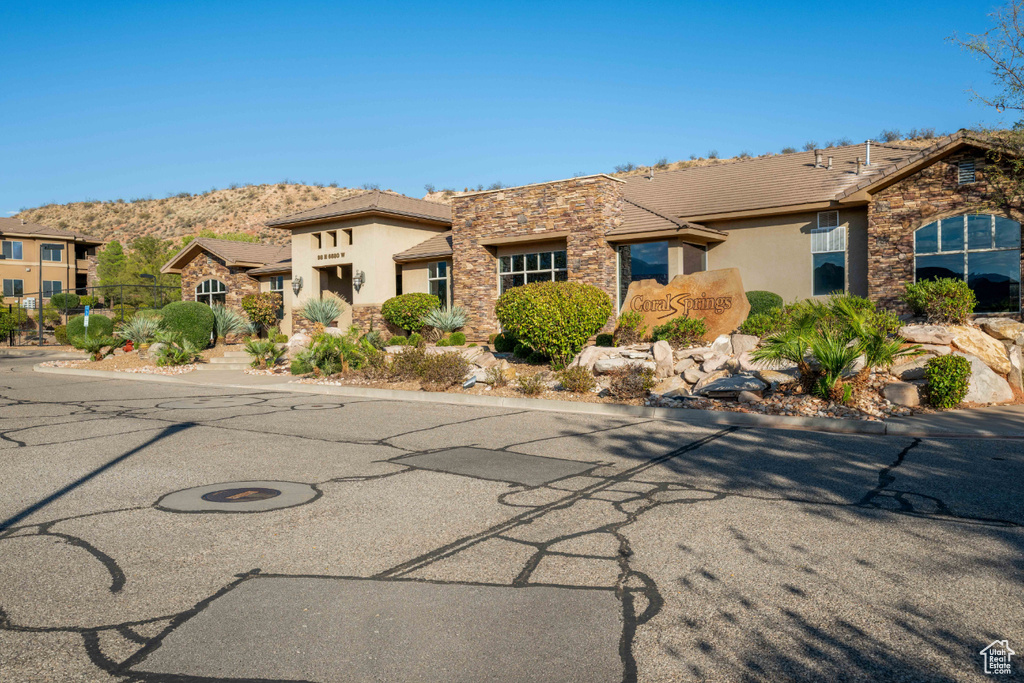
(982, 249)
(211, 292)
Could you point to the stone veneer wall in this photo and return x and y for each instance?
(368, 316)
(208, 267)
(897, 211)
(586, 207)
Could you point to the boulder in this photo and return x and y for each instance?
(1016, 375)
(471, 353)
(776, 378)
(713, 363)
(748, 397)
(485, 360)
(717, 296)
(713, 377)
(438, 350)
(683, 365)
(155, 348)
(299, 340)
(590, 355)
(744, 343)
(729, 387)
(693, 375)
(911, 368)
(986, 386)
(477, 375)
(663, 359)
(974, 342)
(928, 334)
(937, 349)
(636, 355)
(609, 365)
(732, 365)
(695, 352)
(1003, 328)
(118, 351)
(393, 349)
(722, 345)
(855, 367)
(902, 394)
(334, 331)
(673, 385)
(748, 364)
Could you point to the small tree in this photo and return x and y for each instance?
(262, 308)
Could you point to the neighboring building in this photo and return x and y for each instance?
(863, 219)
(67, 260)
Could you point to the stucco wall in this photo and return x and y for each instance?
(63, 271)
(286, 321)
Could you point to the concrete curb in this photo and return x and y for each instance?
(685, 415)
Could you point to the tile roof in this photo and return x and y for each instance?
(762, 183)
(374, 201)
(233, 251)
(637, 218)
(273, 268)
(16, 225)
(438, 246)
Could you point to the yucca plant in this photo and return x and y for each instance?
(228, 321)
(447, 320)
(323, 311)
(265, 352)
(139, 329)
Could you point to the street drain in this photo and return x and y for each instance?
(239, 496)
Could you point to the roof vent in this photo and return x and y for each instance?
(830, 162)
(867, 160)
(817, 158)
(858, 165)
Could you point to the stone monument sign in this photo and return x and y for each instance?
(715, 295)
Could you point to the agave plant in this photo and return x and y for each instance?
(446, 320)
(139, 329)
(228, 321)
(323, 311)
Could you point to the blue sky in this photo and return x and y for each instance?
(125, 100)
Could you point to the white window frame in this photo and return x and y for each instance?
(49, 247)
(966, 168)
(11, 291)
(206, 295)
(16, 245)
(526, 272)
(277, 287)
(51, 283)
(828, 238)
(433, 277)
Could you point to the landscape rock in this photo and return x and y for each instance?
(855, 367)
(714, 376)
(590, 355)
(1003, 328)
(777, 377)
(670, 386)
(118, 351)
(748, 364)
(663, 359)
(713, 363)
(609, 365)
(937, 349)
(986, 386)
(155, 348)
(743, 343)
(902, 394)
(299, 340)
(1016, 375)
(729, 387)
(912, 368)
(485, 360)
(722, 345)
(928, 334)
(695, 352)
(636, 355)
(748, 397)
(471, 353)
(683, 365)
(732, 365)
(976, 343)
(694, 375)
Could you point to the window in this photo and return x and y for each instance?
(520, 269)
(647, 261)
(14, 287)
(11, 250)
(212, 292)
(51, 252)
(277, 285)
(51, 287)
(437, 280)
(965, 173)
(984, 250)
(332, 237)
(828, 254)
(317, 241)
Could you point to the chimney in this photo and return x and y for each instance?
(858, 165)
(817, 158)
(830, 162)
(867, 161)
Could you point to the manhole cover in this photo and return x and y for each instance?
(239, 496)
(242, 495)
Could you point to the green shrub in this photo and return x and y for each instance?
(948, 380)
(444, 341)
(537, 358)
(302, 363)
(262, 308)
(265, 352)
(762, 302)
(88, 300)
(192, 320)
(504, 343)
(406, 311)
(176, 348)
(681, 332)
(375, 338)
(631, 381)
(764, 324)
(946, 300)
(415, 339)
(554, 318)
(281, 338)
(522, 351)
(442, 370)
(377, 365)
(99, 326)
(531, 385)
(630, 328)
(577, 379)
(60, 333)
(397, 340)
(604, 340)
(334, 353)
(65, 300)
(456, 339)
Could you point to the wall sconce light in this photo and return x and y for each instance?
(358, 279)
(297, 285)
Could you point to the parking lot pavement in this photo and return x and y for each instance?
(170, 532)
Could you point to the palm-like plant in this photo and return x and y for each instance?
(792, 344)
(323, 311)
(265, 352)
(228, 321)
(878, 348)
(447, 320)
(176, 349)
(835, 355)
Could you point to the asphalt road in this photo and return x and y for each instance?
(418, 542)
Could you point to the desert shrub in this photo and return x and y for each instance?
(397, 340)
(51, 314)
(948, 380)
(192, 320)
(140, 329)
(65, 300)
(406, 311)
(262, 308)
(447, 320)
(681, 332)
(504, 343)
(531, 385)
(604, 340)
(88, 300)
(762, 302)
(630, 328)
(99, 326)
(322, 311)
(456, 339)
(415, 339)
(60, 333)
(496, 376)
(265, 352)
(763, 324)
(227, 321)
(375, 338)
(409, 363)
(537, 358)
(377, 365)
(631, 381)
(577, 379)
(946, 300)
(521, 350)
(99, 347)
(443, 370)
(334, 353)
(443, 342)
(176, 348)
(554, 318)
(302, 363)
(281, 338)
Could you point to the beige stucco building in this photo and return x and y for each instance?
(40, 259)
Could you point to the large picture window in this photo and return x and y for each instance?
(51, 287)
(14, 287)
(52, 252)
(212, 292)
(521, 269)
(982, 249)
(828, 254)
(437, 279)
(11, 249)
